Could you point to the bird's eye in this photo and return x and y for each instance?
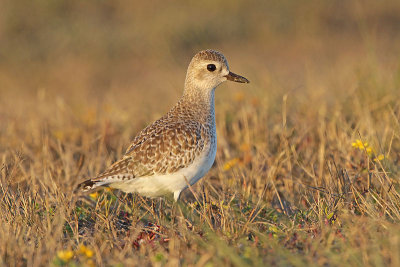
(211, 67)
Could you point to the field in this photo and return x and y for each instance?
(307, 171)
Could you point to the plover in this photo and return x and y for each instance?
(179, 148)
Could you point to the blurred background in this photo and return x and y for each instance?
(136, 53)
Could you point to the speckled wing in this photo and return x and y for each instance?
(161, 148)
(164, 148)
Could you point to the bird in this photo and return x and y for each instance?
(178, 149)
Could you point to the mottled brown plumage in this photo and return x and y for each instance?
(179, 144)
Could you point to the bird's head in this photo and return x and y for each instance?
(208, 69)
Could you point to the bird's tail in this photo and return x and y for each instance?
(87, 185)
(93, 183)
(115, 173)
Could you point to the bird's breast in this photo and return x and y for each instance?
(203, 162)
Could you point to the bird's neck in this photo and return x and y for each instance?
(199, 103)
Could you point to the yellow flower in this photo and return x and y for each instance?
(229, 164)
(359, 144)
(65, 255)
(94, 195)
(379, 157)
(363, 146)
(58, 134)
(84, 250)
(369, 150)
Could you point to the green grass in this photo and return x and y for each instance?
(288, 187)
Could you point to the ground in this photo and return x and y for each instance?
(307, 167)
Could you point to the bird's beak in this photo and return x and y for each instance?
(236, 78)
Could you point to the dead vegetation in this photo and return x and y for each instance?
(307, 168)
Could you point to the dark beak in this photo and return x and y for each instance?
(236, 78)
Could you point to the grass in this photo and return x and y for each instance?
(307, 167)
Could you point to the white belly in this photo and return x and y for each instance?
(159, 185)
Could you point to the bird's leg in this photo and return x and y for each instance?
(160, 208)
(153, 208)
